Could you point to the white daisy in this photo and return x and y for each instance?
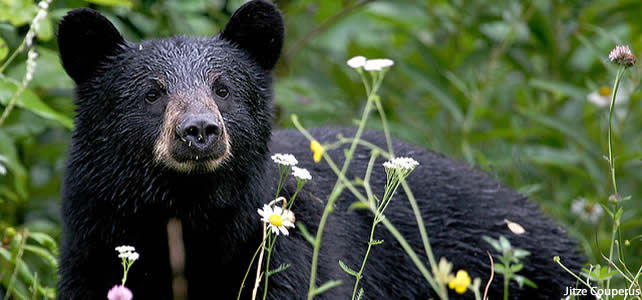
(378, 64)
(587, 211)
(357, 62)
(284, 159)
(277, 218)
(301, 173)
(401, 164)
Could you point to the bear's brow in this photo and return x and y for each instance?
(161, 82)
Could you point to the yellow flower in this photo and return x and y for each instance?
(317, 149)
(460, 283)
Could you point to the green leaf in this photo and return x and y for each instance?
(520, 253)
(521, 280)
(281, 268)
(492, 242)
(358, 205)
(30, 101)
(326, 286)
(125, 3)
(499, 268)
(360, 294)
(618, 214)
(306, 234)
(376, 242)
(44, 240)
(19, 172)
(504, 243)
(49, 73)
(4, 49)
(45, 29)
(44, 254)
(516, 268)
(348, 270)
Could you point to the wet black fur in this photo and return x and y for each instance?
(115, 194)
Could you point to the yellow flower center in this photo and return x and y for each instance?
(276, 220)
(604, 91)
(318, 150)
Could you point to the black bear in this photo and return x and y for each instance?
(180, 128)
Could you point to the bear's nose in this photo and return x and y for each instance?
(199, 130)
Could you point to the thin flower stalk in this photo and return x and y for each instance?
(257, 281)
(334, 195)
(622, 56)
(249, 267)
(31, 67)
(373, 157)
(345, 182)
(27, 42)
(611, 160)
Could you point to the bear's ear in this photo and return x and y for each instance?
(257, 27)
(85, 38)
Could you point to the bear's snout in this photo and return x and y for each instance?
(199, 131)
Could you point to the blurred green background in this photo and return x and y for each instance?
(510, 86)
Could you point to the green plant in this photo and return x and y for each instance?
(509, 262)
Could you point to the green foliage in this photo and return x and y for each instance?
(500, 84)
(509, 262)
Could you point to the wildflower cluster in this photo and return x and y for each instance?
(128, 256)
(301, 173)
(285, 159)
(400, 166)
(378, 64)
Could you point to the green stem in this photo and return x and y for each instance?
(616, 85)
(384, 123)
(249, 268)
(13, 56)
(18, 260)
(266, 273)
(391, 228)
(366, 181)
(505, 287)
(616, 223)
(334, 194)
(12, 103)
(579, 279)
(365, 258)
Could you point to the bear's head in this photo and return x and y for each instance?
(186, 104)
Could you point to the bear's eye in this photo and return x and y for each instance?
(152, 96)
(221, 92)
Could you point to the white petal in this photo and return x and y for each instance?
(356, 62)
(274, 229)
(287, 224)
(284, 230)
(278, 210)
